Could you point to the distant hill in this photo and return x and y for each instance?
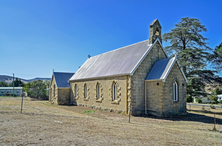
(9, 79)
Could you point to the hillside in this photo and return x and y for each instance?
(9, 79)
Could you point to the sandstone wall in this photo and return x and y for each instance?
(155, 97)
(63, 96)
(160, 97)
(105, 101)
(138, 79)
(169, 106)
(53, 98)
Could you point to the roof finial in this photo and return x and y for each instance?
(175, 54)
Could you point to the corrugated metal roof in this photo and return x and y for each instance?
(11, 88)
(62, 79)
(117, 62)
(161, 69)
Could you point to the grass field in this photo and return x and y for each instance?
(44, 124)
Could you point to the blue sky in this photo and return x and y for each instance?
(37, 36)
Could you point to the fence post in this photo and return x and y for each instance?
(214, 129)
(22, 103)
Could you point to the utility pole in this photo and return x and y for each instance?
(13, 85)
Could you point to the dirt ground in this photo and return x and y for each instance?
(44, 124)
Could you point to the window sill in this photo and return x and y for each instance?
(86, 99)
(99, 100)
(116, 101)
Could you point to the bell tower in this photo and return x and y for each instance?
(155, 31)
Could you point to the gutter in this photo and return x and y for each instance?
(92, 78)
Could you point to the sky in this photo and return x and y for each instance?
(37, 36)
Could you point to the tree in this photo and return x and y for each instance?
(37, 89)
(216, 57)
(186, 39)
(17, 83)
(3, 84)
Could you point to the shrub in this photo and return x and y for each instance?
(7, 94)
(189, 99)
(14, 95)
(220, 101)
(199, 100)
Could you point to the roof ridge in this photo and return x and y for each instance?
(64, 72)
(120, 48)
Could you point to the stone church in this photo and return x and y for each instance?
(138, 78)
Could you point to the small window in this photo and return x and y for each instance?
(54, 91)
(85, 91)
(2, 91)
(114, 92)
(175, 91)
(7, 91)
(75, 90)
(17, 91)
(98, 91)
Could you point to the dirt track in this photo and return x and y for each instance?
(45, 124)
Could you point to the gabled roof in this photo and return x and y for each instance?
(122, 61)
(62, 79)
(162, 68)
(155, 21)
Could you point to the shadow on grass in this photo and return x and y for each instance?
(195, 117)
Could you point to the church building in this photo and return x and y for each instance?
(138, 78)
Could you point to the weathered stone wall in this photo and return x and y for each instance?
(105, 101)
(155, 97)
(138, 79)
(60, 96)
(53, 98)
(160, 97)
(63, 96)
(169, 106)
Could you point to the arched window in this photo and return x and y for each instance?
(85, 91)
(75, 90)
(175, 91)
(114, 92)
(54, 91)
(98, 91)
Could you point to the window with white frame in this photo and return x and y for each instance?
(75, 90)
(85, 91)
(175, 91)
(8, 91)
(98, 91)
(114, 92)
(2, 91)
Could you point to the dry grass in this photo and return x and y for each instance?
(44, 124)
